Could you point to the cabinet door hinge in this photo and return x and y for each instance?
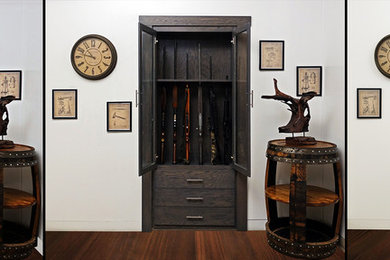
(155, 41)
(233, 41)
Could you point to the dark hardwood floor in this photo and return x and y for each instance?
(163, 245)
(34, 256)
(368, 244)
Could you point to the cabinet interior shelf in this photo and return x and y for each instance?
(315, 196)
(14, 199)
(194, 80)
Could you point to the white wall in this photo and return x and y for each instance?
(368, 168)
(21, 48)
(92, 176)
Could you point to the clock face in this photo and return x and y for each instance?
(93, 57)
(382, 56)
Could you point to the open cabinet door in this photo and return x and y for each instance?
(241, 101)
(147, 95)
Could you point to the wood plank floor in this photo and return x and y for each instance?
(34, 256)
(164, 245)
(368, 244)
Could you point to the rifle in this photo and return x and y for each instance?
(213, 127)
(226, 129)
(200, 111)
(163, 111)
(174, 106)
(187, 125)
(187, 118)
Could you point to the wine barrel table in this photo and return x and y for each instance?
(297, 235)
(16, 240)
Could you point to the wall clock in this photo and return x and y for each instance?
(93, 57)
(382, 56)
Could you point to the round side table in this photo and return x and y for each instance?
(17, 241)
(297, 235)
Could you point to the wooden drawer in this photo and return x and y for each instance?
(190, 216)
(194, 176)
(194, 197)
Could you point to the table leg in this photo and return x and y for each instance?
(1, 204)
(36, 209)
(298, 202)
(338, 207)
(270, 180)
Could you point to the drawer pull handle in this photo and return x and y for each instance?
(194, 198)
(194, 180)
(194, 217)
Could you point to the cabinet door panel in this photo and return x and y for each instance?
(241, 124)
(147, 90)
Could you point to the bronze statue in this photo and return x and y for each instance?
(4, 120)
(299, 122)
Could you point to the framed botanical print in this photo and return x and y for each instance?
(271, 55)
(309, 78)
(11, 83)
(369, 103)
(64, 104)
(119, 116)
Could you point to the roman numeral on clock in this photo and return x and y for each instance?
(383, 63)
(80, 49)
(86, 45)
(92, 43)
(383, 49)
(382, 56)
(81, 63)
(86, 68)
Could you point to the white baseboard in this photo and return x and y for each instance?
(369, 224)
(55, 225)
(39, 246)
(256, 224)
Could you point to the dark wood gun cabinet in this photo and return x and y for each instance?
(208, 54)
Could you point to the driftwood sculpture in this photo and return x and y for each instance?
(4, 120)
(299, 121)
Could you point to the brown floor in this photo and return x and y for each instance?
(368, 244)
(34, 256)
(163, 245)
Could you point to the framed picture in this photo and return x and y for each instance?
(309, 78)
(64, 104)
(271, 55)
(119, 116)
(369, 103)
(11, 83)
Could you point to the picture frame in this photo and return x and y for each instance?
(271, 55)
(309, 78)
(369, 103)
(11, 83)
(119, 116)
(64, 104)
